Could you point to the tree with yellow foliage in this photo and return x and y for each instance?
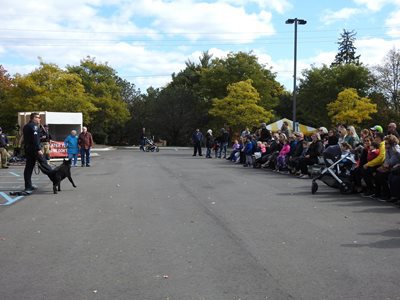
(240, 109)
(350, 108)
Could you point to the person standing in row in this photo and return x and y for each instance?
(85, 142)
(197, 139)
(209, 143)
(142, 139)
(71, 143)
(33, 150)
(3, 149)
(223, 140)
(45, 138)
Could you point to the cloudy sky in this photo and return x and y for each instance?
(145, 41)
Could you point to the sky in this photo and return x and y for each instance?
(146, 41)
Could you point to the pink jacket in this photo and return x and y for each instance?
(285, 150)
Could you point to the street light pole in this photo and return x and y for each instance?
(295, 21)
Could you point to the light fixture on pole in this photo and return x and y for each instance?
(295, 21)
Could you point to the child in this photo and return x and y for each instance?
(281, 160)
(235, 149)
(373, 151)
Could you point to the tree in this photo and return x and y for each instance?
(240, 67)
(6, 85)
(350, 108)
(388, 79)
(105, 90)
(48, 88)
(347, 50)
(319, 86)
(175, 112)
(240, 108)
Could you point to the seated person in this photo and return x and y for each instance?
(281, 161)
(314, 151)
(269, 159)
(369, 169)
(392, 159)
(236, 147)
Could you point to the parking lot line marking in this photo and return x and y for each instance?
(9, 199)
(15, 174)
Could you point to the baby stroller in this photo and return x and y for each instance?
(149, 145)
(337, 174)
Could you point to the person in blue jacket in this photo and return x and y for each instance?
(71, 143)
(248, 151)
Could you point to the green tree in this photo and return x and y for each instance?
(6, 84)
(347, 50)
(240, 67)
(350, 108)
(319, 86)
(103, 86)
(48, 88)
(240, 108)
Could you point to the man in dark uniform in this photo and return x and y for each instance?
(197, 138)
(33, 150)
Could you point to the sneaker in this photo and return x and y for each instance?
(5, 167)
(368, 194)
(87, 165)
(82, 165)
(302, 176)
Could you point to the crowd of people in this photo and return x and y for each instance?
(375, 172)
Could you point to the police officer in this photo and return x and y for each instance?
(3, 149)
(33, 150)
(45, 138)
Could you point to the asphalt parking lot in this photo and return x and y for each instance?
(171, 226)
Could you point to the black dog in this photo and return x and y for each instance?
(59, 173)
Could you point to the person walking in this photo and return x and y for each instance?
(85, 142)
(71, 143)
(197, 139)
(3, 149)
(33, 151)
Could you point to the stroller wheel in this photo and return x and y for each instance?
(152, 149)
(314, 187)
(346, 188)
(157, 149)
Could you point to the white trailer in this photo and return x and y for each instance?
(60, 123)
(60, 126)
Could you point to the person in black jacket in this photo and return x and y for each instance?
(33, 151)
(314, 150)
(197, 139)
(294, 159)
(209, 143)
(265, 134)
(223, 142)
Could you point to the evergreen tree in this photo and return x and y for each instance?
(347, 50)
